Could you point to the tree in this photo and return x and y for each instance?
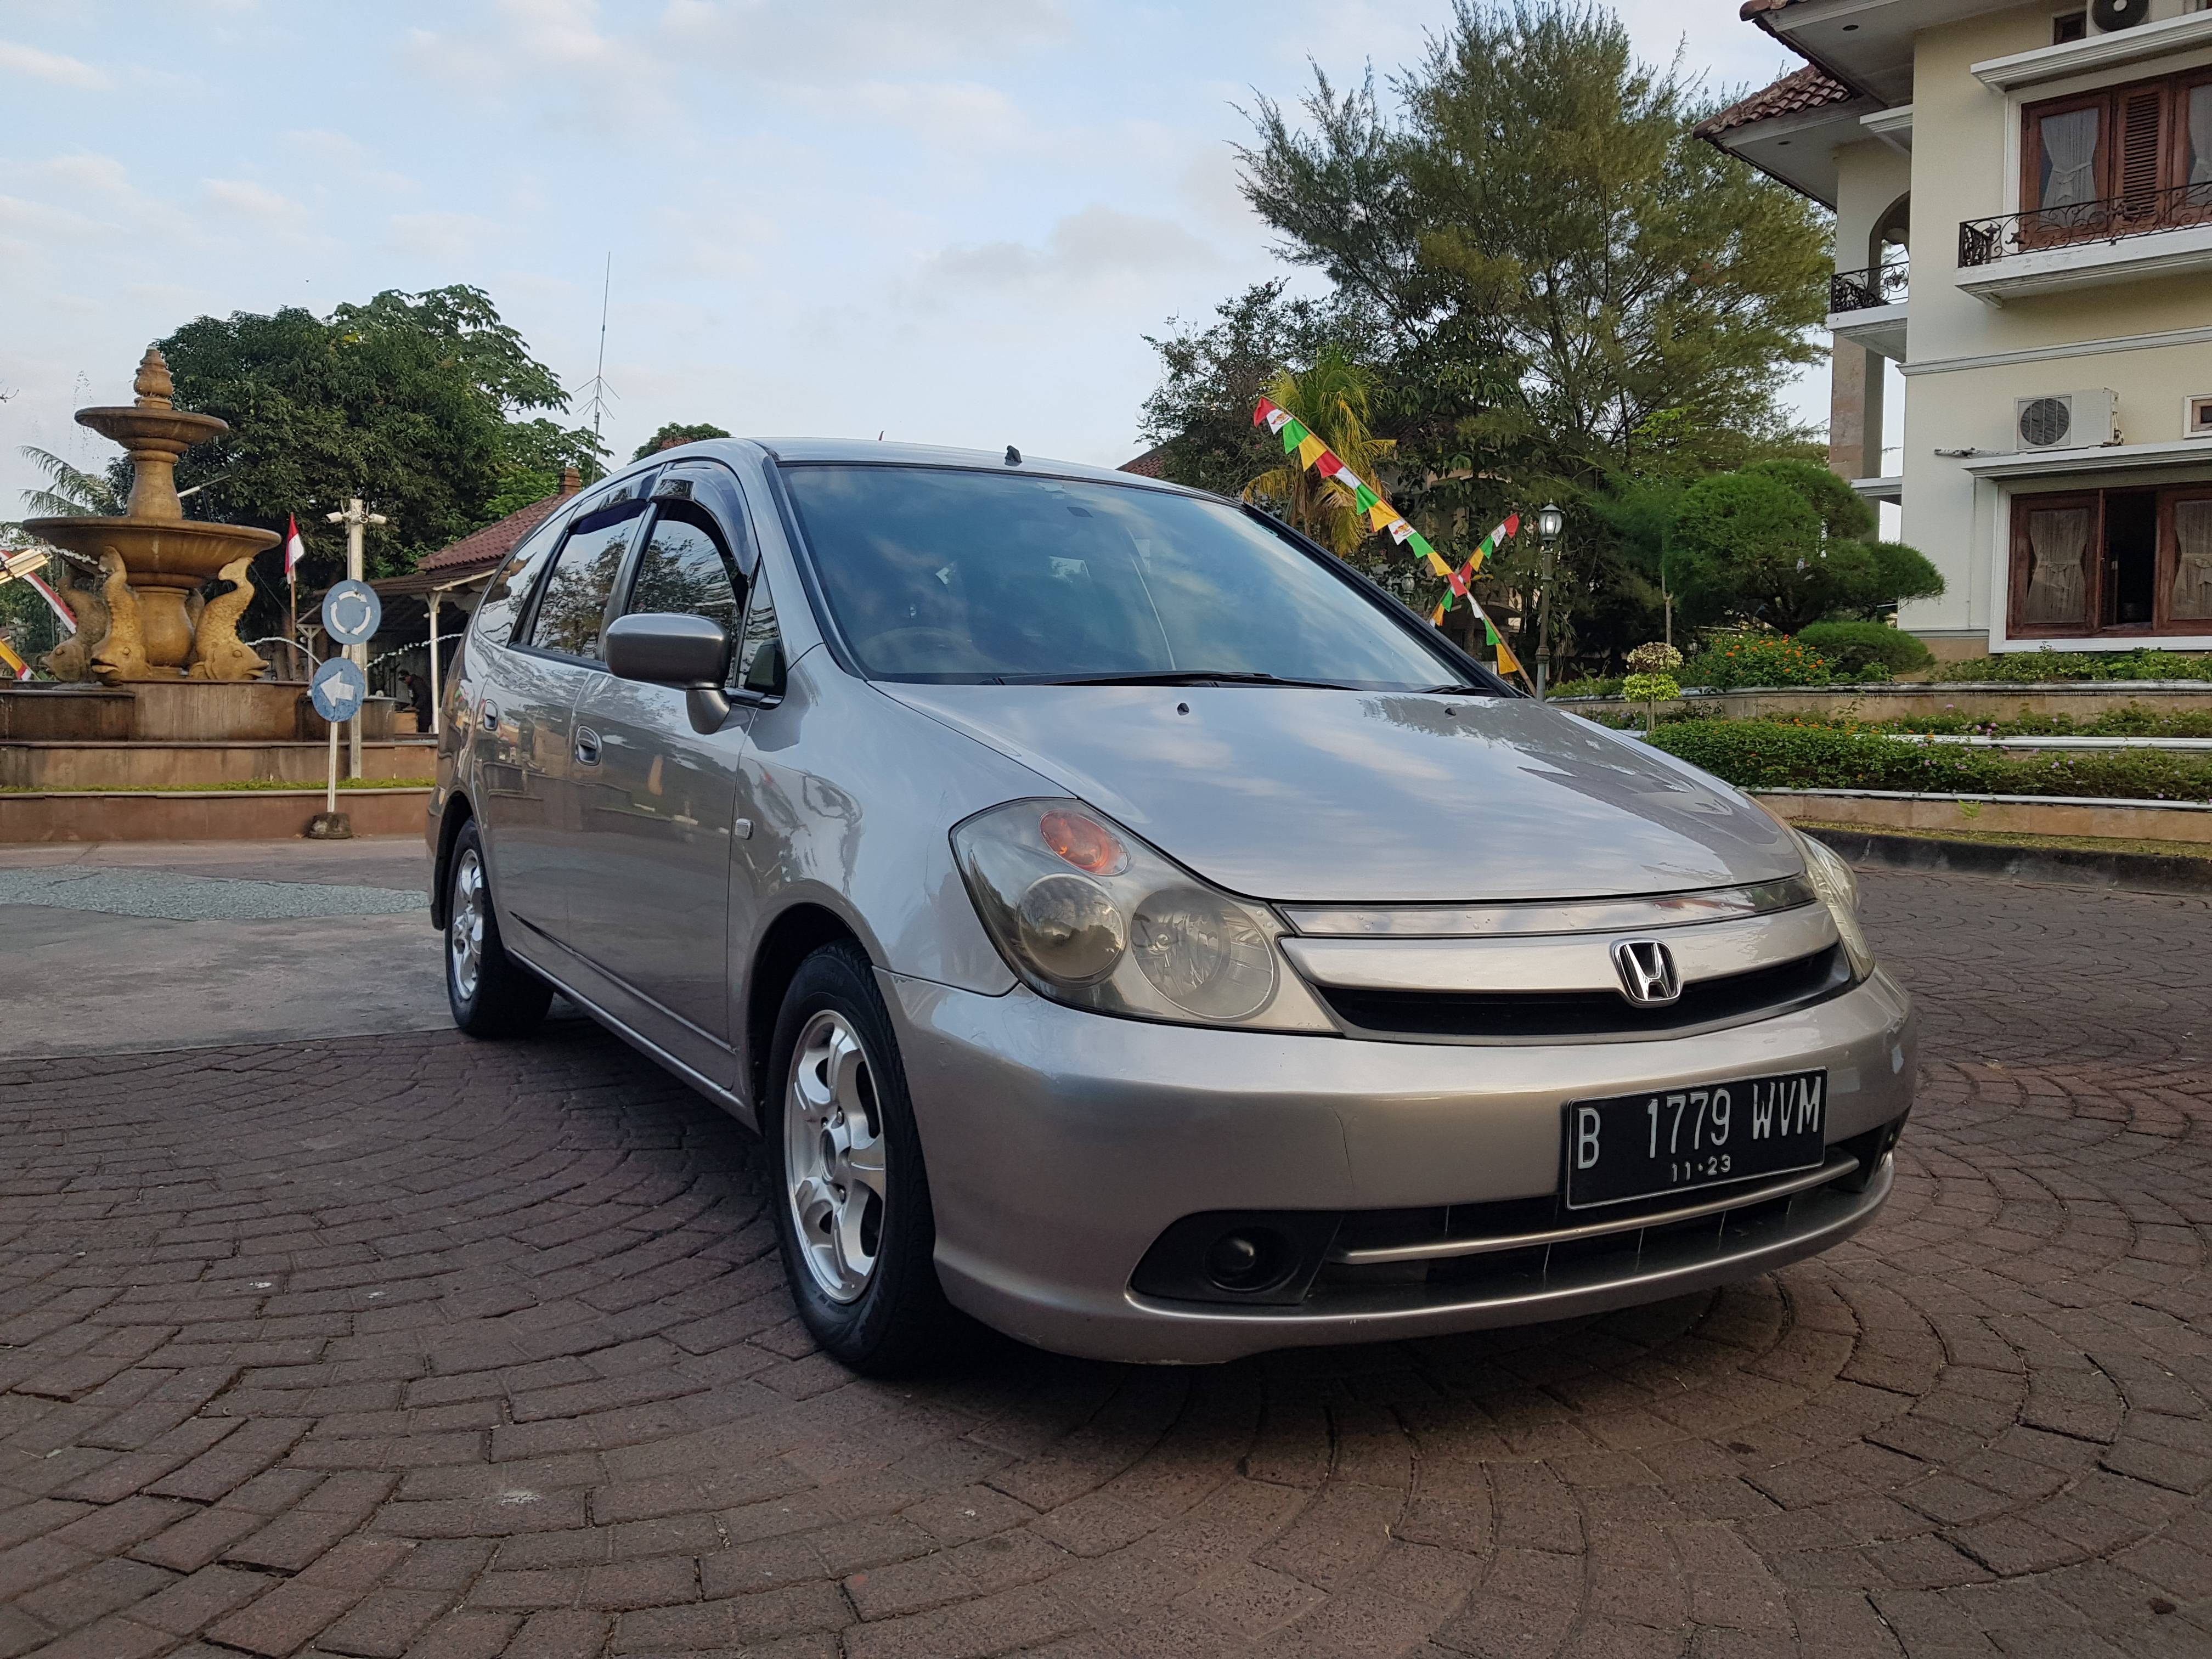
(1557, 285)
(532, 456)
(1200, 413)
(1744, 543)
(69, 493)
(673, 433)
(1332, 398)
(1755, 546)
(1547, 187)
(1845, 516)
(405, 400)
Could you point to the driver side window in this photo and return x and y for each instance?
(685, 568)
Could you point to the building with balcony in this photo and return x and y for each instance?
(2023, 203)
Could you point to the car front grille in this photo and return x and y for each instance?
(1530, 1017)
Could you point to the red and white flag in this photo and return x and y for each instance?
(62, 612)
(293, 551)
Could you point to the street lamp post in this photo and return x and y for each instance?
(1550, 523)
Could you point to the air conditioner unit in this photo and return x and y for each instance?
(2196, 415)
(2110, 16)
(2067, 420)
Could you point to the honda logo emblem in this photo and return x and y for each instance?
(1648, 976)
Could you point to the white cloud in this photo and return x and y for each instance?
(249, 200)
(52, 67)
(82, 175)
(827, 44)
(1098, 243)
(454, 238)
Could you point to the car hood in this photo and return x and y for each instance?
(1314, 796)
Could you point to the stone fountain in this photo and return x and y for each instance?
(142, 619)
(161, 711)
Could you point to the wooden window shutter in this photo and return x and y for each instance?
(2141, 148)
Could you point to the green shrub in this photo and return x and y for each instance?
(1778, 755)
(1854, 646)
(1743, 659)
(2030, 667)
(1586, 688)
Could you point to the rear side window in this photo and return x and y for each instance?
(503, 598)
(683, 567)
(573, 610)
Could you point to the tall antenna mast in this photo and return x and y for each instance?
(597, 388)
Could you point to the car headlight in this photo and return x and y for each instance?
(1088, 914)
(1839, 889)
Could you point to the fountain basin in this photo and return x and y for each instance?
(168, 559)
(180, 553)
(129, 423)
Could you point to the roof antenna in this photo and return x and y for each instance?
(597, 387)
(1013, 456)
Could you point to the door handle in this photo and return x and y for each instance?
(587, 746)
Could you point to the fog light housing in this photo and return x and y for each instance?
(1249, 1259)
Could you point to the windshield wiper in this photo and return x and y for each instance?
(1181, 676)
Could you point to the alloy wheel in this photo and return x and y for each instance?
(465, 934)
(833, 1156)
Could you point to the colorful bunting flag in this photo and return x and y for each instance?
(1381, 515)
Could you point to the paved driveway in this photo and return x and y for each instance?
(408, 1345)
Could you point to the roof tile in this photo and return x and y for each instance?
(1807, 88)
(494, 541)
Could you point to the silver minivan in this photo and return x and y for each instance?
(1124, 923)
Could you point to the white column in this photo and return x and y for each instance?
(437, 703)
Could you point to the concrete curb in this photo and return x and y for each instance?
(2070, 867)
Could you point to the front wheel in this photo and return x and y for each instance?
(491, 994)
(854, 1221)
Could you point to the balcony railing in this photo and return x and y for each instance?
(1862, 290)
(2142, 213)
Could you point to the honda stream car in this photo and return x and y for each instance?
(1124, 923)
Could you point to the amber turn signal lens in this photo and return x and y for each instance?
(1085, 843)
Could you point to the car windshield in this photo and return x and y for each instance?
(939, 574)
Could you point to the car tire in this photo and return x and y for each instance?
(851, 1197)
(492, 995)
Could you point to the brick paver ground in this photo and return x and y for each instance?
(416, 1346)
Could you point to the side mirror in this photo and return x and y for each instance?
(688, 653)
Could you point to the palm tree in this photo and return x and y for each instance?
(71, 494)
(1331, 400)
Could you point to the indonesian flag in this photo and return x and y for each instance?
(293, 551)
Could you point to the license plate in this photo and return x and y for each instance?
(1672, 1140)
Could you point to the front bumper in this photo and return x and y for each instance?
(1061, 1144)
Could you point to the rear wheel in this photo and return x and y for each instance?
(855, 1223)
(491, 993)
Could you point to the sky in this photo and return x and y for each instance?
(945, 221)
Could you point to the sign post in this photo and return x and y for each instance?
(351, 615)
(356, 517)
(338, 691)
